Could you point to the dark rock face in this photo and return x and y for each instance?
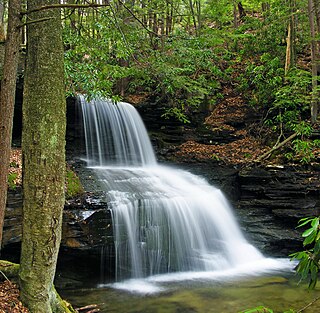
(86, 239)
(271, 202)
(268, 201)
(13, 218)
(87, 223)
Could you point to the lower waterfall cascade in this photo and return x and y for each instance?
(168, 224)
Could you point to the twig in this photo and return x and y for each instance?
(4, 275)
(91, 307)
(87, 307)
(36, 21)
(308, 305)
(138, 20)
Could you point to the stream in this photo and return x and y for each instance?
(278, 292)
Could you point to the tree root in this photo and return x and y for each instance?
(9, 270)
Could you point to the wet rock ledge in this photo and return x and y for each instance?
(268, 203)
(86, 222)
(271, 202)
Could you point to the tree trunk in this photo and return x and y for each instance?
(291, 46)
(7, 100)
(314, 61)
(193, 15)
(2, 28)
(242, 12)
(235, 16)
(43, 146)
(288, 51)
(265, 6)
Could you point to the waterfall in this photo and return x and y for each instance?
(165, 220)
(115, 134)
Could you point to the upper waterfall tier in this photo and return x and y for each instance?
(115, 134)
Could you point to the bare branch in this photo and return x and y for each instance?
(65, 6)
(138, 20)
(308, 305)
(36, 21)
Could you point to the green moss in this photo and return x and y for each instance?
(73, 184)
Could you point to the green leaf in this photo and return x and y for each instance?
(315, 223)
(310, 238)
(307, 232)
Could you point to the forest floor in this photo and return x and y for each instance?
(232, 117)
(10, 302)
(9, 298)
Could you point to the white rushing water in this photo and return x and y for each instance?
(165, 221)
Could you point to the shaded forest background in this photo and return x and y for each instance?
(224, 60)
(220, 58)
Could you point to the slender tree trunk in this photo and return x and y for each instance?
(235, 15)
(288, 51)
(291, 46)
(265, 6)
(168, 19)
(317, 13)
(198, 7)
(2, 32)
(194, 19)
(7, 100)
(314, 61)
(242, 12)
(43, 146)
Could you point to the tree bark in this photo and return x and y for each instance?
(43, 146)
(314, 61)
(7, 100)
(235, 16)
(288, 51)
(2, 32)
(242, 12)
(291, 46)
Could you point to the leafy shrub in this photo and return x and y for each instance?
(12, 180)
(309, 259)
